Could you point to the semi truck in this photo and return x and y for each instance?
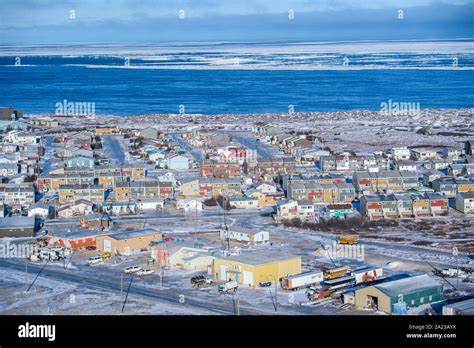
(302, 280)
(367, 275)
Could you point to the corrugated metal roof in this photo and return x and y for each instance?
(408, 285)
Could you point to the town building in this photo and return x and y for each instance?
(17, 226)
(465, 202)
(395, 297)
(253, 267)
(127, 243)
(244, 235)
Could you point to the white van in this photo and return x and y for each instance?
(95, 260)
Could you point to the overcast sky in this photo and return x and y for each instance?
(51, 21)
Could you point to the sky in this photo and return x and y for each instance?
(60, 21)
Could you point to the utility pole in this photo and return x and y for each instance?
(456, 254)
(26, 271)
(121, 286)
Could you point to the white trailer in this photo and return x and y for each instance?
(367, 275)
(302, 280)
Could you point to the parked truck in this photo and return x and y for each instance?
(348, 239)
(302, 280)
(319, 295)
(201, 281)
(230, 286)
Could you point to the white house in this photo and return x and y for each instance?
(465, 202)
(190, 258)
(422, 154)
(245, 235)
(266, 188)
(189, 205)
(77, 208)
(302, 210)
(40, 210)
(178, 162)
(243, 202)
(150, 204)
(406, 166)
(8, 169)
(400, 153)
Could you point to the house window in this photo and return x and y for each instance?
(422, 299)
(430, 298)
(412, 302)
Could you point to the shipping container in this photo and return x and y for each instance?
(298, 281)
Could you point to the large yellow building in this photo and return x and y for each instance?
(253, 267)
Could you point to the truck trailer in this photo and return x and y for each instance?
(367, 275)
(302, 280)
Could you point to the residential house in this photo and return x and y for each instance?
(465, 202)
(93, 193)
(76, 208)
(189, 205)
(244, 235)
(243, 202)
(295, 209)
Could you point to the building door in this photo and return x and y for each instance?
(248, 278)
(107, 245)
(223, 272)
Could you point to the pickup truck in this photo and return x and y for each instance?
(132, 269)
(144, 272)
(201, 281)
(230, 286)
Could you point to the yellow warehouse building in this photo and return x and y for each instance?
(256, 266)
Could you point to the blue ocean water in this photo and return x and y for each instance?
(41, 81)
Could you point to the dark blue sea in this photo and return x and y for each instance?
(155, 85)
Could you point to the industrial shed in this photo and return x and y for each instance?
(17, 226)
(127, 243)
(410, 292)
(465, 307)
(257, 266)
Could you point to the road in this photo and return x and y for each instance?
(148, 218)
(113, 149)
(248, 139)
(197, 155)
(94, 279)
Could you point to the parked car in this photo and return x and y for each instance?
(91, 248)
(265, 284)
(95, 260)
(144, 272)
(132, 269)
(105, 255)
(168, 239)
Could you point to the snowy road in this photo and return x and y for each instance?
(113, 149)
(186, 146)
(248, 139)
(92, 278)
